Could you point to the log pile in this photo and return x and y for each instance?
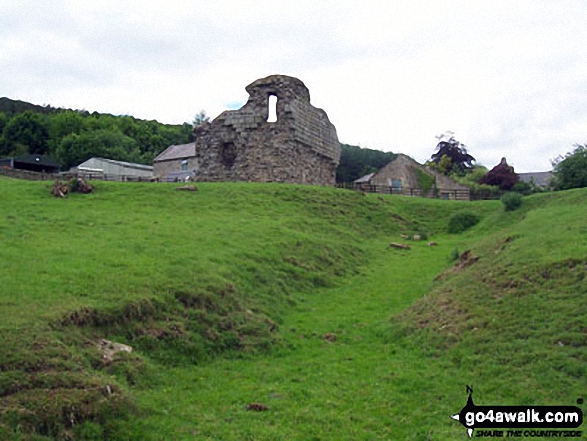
(401, 246)
(187, 188)
(82, 186)
(61, 189)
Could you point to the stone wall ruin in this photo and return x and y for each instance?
(300, 147)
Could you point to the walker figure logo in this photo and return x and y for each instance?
(519, 417)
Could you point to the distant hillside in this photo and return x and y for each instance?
(73, 136)
(14, 107)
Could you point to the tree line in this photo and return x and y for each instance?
(356, 162)
(452, 159)
(73, 136)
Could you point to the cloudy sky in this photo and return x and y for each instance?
(508, 77)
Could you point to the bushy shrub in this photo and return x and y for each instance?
(523, 188)
(502, 175)
(462, 221)
(570, 171)
(527, 188)
(511, 201)
(423, 235)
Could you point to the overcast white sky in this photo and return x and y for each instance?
(509, 77)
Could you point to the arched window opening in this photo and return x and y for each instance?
(272, 109)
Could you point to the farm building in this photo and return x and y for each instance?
(176, 162)
(405, 176)
(111, 169)
(34, 163)
(542, 179)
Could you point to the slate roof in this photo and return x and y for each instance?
(177, 152)
(540, 178)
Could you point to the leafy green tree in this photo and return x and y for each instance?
(63, 124)
(3, 121)
(77, 148)
(570, 171)
(200, 118)
(445, 165)
(356, 162)
(447, 149)
(471, 180)
(150, 137)
(27, 129)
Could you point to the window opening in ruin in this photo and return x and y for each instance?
(184, 165)
(228, 154)
(272, 109)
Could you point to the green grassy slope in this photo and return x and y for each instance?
(180, 276)
(279, 295)
(516, 319)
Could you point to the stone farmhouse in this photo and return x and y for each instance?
(405, 176)
(542, 179)
(299, 146)
(176, 162)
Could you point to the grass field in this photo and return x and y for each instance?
(287, 297)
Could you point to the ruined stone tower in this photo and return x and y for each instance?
(301, 146)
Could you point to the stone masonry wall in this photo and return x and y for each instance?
(28, 175)
(300, 147)
(163, 168)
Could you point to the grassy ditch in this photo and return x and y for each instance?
(262, 312)
(179, 276)
(511, 315)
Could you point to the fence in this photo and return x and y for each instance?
(118, 178)
(26, 174)
(439, 193)
(36, 176)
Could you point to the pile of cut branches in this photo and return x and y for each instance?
(61, 189)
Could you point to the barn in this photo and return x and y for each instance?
(34, 163)
(114, 170)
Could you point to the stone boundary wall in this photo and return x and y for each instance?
(28, 175)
